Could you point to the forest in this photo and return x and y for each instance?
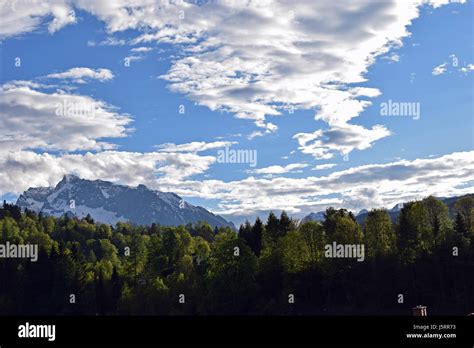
(274, 266)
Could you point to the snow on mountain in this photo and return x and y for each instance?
(319, 216)
(397, 207)
(110, 203)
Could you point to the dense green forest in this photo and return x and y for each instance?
(275, 266)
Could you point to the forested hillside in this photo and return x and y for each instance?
(275, 266)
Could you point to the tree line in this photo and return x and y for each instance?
(89, 268)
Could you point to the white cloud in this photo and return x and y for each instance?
(279, 169)
(382, 184)
(195, 146)
(112, 41)
(32, 119)
(141, 49)
(252, 59)
(341, 138)
(109, 41)
(24, 169)
(324, 166)
(358, 187)
(82, 74)
(439, 70)
(314, 52)
(467, 69)
(21, 16)
(62, 16)
(255, 134)
(438, 3)
(132, 58)
(393, 57)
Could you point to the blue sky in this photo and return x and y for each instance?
(237, 79)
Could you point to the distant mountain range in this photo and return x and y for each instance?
(393, 212)
(110, 203)
(319, 216)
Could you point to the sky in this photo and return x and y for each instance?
(358, 104)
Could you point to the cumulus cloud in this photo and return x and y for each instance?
(24, 169)
(112, 41)
(255, 60)
(62, 16)
(195, 146)
(392, 57)
(342, 138)
(133, 58)
(314, 52)
(109, 41)
(468, 68)
(81, 75)
(279, 169)
(439, 70)
(358, 187)
(34, 119)
(324, 166)
(141, 49)
(255, 134)
(302, 68)
(21, 16)
(309, 63)
(381, 185)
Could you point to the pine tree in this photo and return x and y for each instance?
(116, 289)
(271, 229)
(460, 228)
(285, 225)
(257, 236)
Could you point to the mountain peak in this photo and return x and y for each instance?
(397, 207)
(110, 203)
(319, 216)
(70, 178)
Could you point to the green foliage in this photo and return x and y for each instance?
(379, 238)
(231, 276)
(253, 235)
(202, 229)
(465, 207)
(313, 238)
(340, 226)
(129, 269)
(415, 233)
(438, 216)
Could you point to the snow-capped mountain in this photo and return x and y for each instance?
(319, 216)
(397, 207)
(360, 216)
(110, 203)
